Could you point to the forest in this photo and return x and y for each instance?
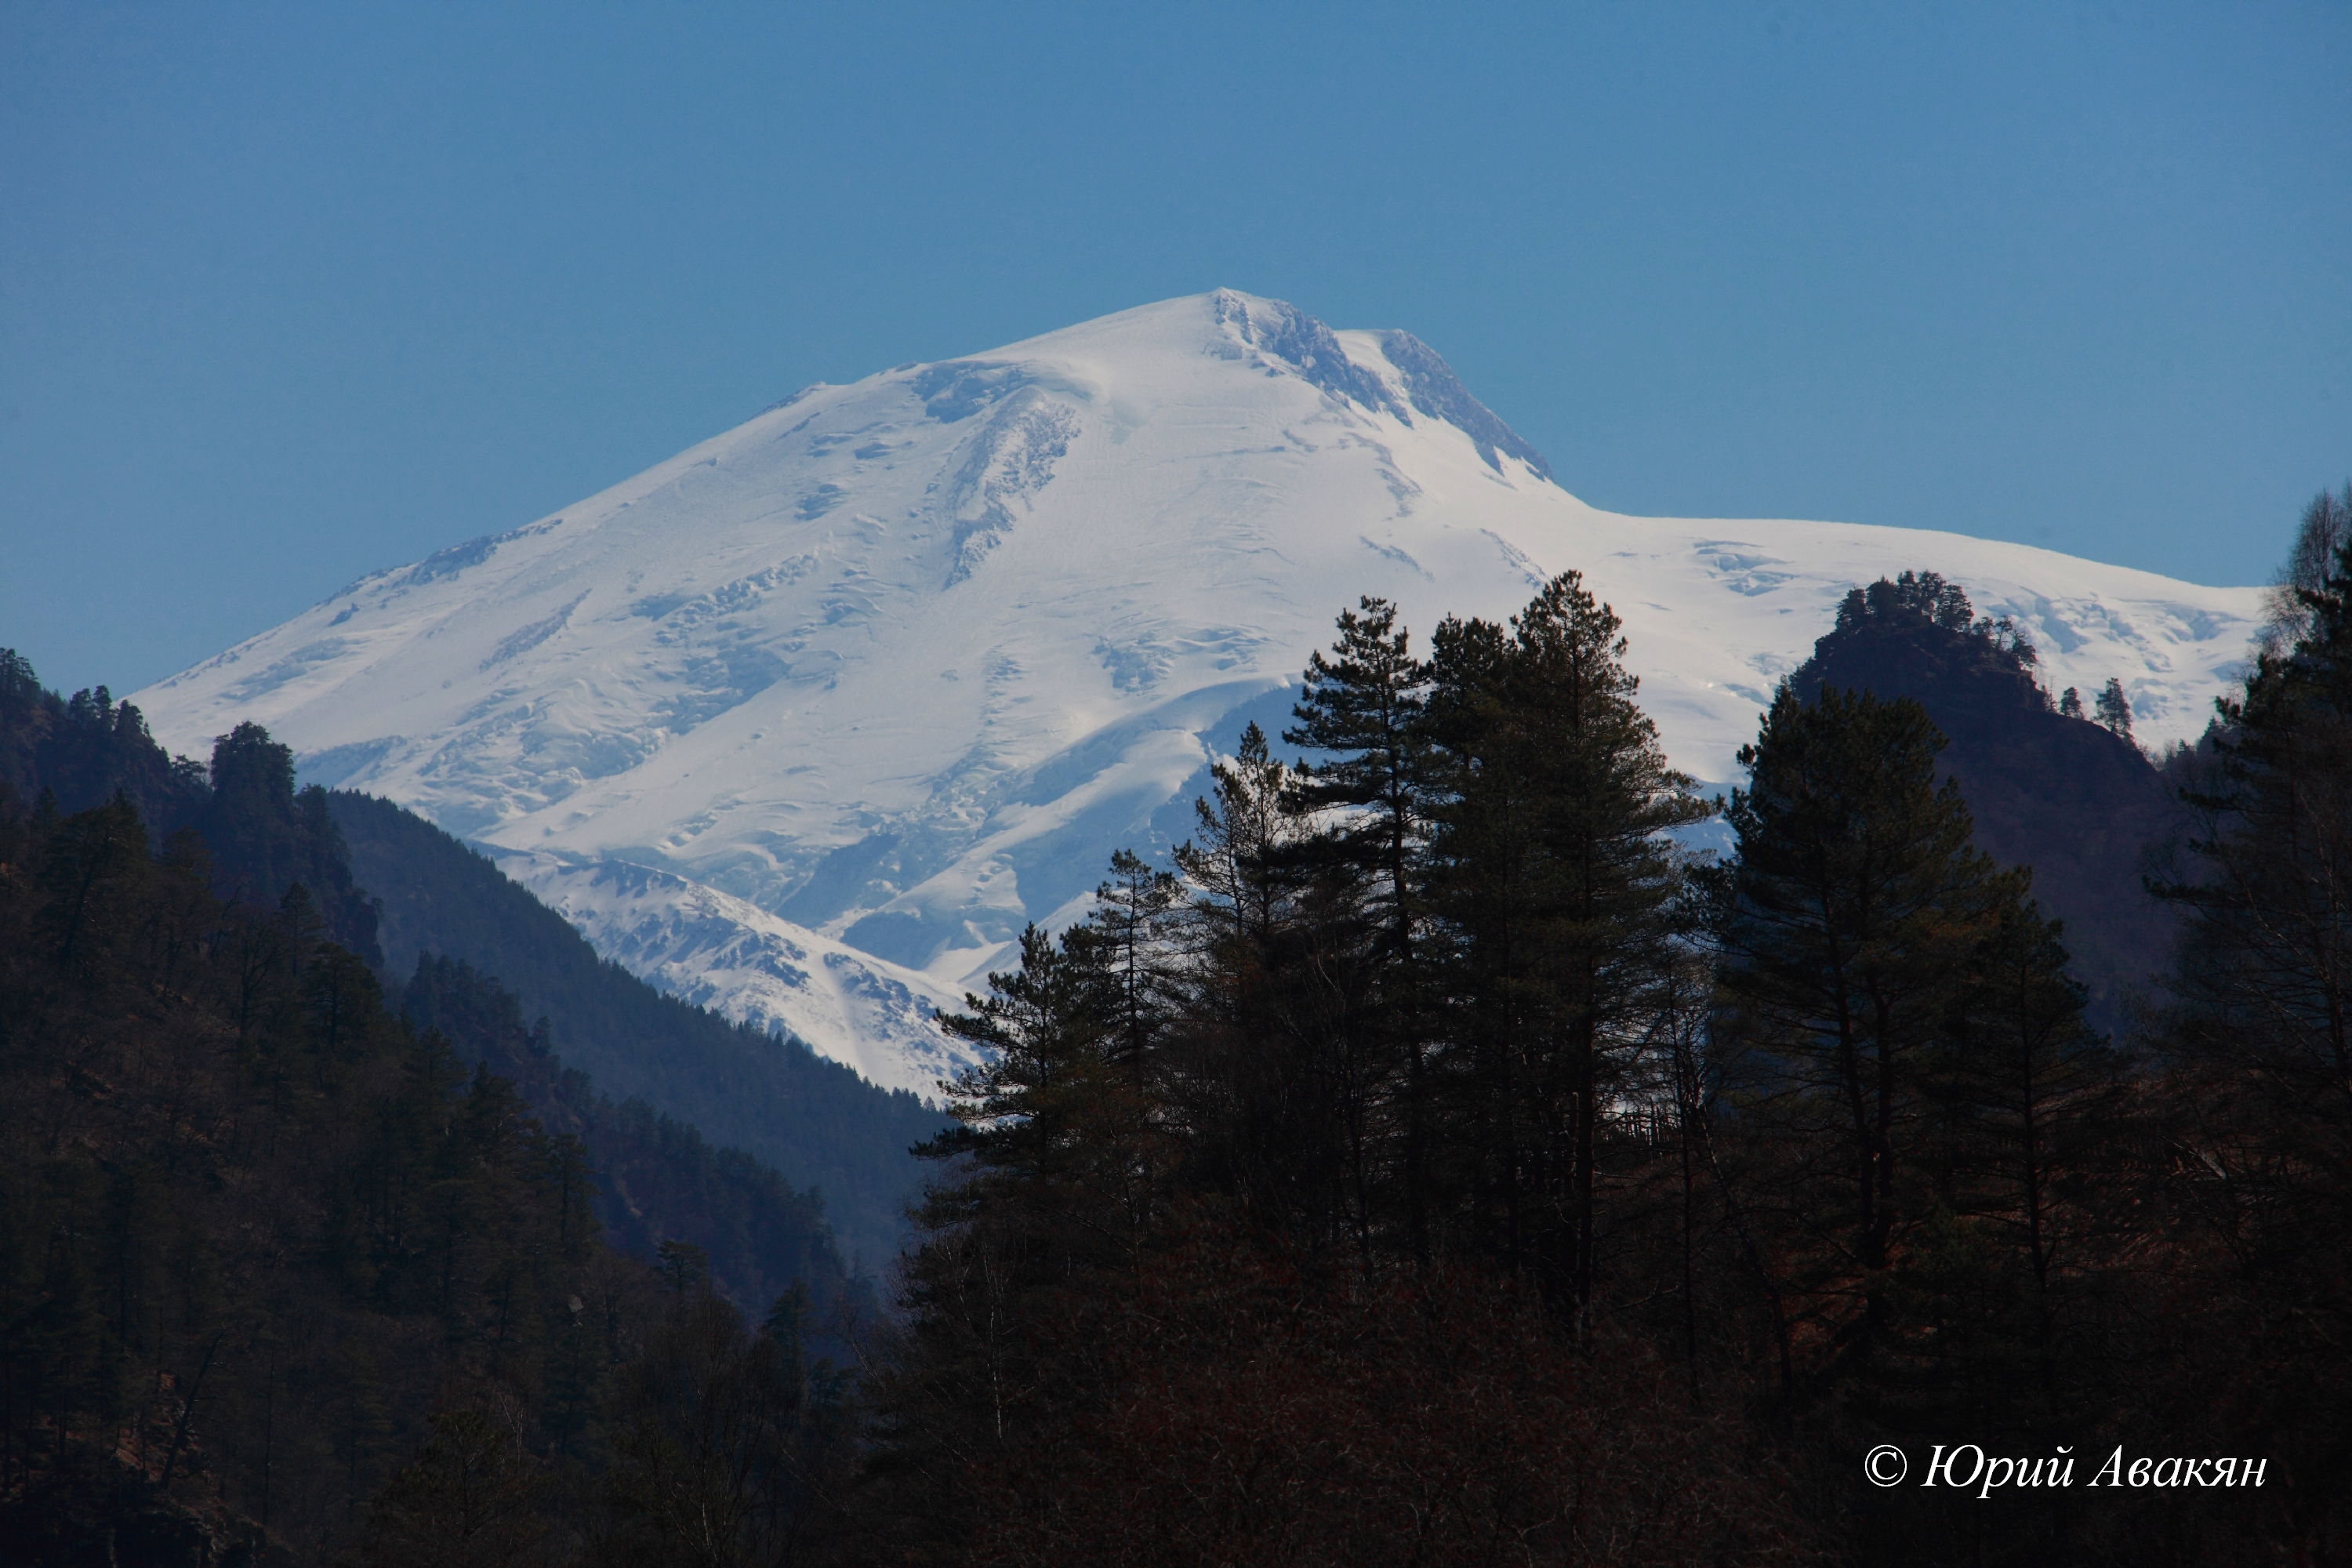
(301, 1263)
(1438, 1162)
(812, 1120)
(1451, 1154)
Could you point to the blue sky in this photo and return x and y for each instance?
(288, 293)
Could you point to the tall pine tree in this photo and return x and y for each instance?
(1557, 889)
(1845, 925)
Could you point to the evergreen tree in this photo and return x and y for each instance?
(2260, 1043)
(1362, 711)
(1845, 925)
(1244, 858)
(2114, 709)
(88, 749)
(2026, 1101)
(1557, 890)
(2272, 939)
(1134, 914)
(263, 837)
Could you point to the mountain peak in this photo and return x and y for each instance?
(1381, 372)
(1296, 341)
(812, 719)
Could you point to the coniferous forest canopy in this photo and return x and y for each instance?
(1438, 1158)
(811, 1119)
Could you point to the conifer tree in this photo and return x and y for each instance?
(265, 837)
(1362, 709)
(2258, 1045)
(1048, 1031)
(1370, 793)
(2025, 1102)
(2261, 1038)
(2113, 708)
(1134, 914)
(1280, 1068)
(1243, 857)
(1845, 925)
(1558, 891)
(2271, 947)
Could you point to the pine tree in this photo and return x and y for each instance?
(1245, 859)
(2258, 1048)
(1272, 1071)
(2273, 934)
(1369, 794)
(2025, 1100)
(1557, 888)
(265, 837)
(1362, 709)
(1845, 926)
(1133, 918)
(2113, 708)
(2262, 1034)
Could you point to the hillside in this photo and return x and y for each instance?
(282, 1281)
(265, 847)
(2081, 806)
(813, 1120)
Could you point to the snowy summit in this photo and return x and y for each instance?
(806, 722)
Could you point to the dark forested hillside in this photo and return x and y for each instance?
(1437, 1165)
(86, 749)
(656, 1180)
(2054, 790)
(281, 1281)
(265, 842)
(815, 1120)
(1437, 1168)
(260, 835)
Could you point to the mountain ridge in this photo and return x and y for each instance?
(897, 663)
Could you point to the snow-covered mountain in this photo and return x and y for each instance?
(807, 721)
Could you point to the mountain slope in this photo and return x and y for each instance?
(810, 1118)
(255, 840)
(808, 720)
(2080, 806)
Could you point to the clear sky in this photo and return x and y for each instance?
(288, 293)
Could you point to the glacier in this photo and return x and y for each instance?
(807, 723)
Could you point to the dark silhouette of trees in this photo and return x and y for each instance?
(1374, 1067)
(2114, 709)
(1554, 891)
(1440, 1116)
(812, 1120)
(1434, 1160)
(2259, 1047)
(282, 1279)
